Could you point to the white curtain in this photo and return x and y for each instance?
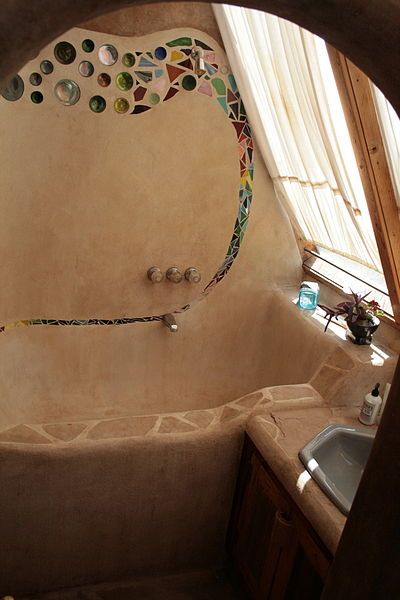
(285, 78)
(390, 128)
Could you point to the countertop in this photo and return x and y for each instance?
(279, 435)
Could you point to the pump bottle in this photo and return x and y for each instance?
(370, 408)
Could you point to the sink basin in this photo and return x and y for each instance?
(335, 459)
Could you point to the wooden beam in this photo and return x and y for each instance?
(358, 105)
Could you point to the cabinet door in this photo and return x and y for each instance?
(311, 564)
(264, 544)
(304, 582)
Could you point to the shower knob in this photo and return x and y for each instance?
(174, 275)
(155, 275)
(192, 275)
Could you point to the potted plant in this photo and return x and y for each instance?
(361, 316)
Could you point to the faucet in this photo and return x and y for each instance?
(169, 321)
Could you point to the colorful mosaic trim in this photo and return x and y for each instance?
(150, 78)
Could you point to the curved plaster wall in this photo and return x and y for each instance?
(149, 186)
(63, 246)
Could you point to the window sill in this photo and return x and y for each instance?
(388, 319)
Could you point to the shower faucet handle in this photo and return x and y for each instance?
(155, 275)
(192, 275)
(173, 274)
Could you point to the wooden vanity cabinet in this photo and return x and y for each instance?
(274, 549)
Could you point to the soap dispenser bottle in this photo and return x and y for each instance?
(370, 408)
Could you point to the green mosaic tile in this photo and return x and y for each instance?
(232, 82)
(182, 41)
(219, 86)
(154, 98)
(223, 103)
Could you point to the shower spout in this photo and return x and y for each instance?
(169, 321)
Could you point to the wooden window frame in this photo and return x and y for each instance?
(358, 105)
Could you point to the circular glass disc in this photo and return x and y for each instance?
(88, 45)
(108, 55)
(14, 89)
(189, 83)
(160, 53)
(37, 97)
(97, 104)
(86, 69)
(104, 79)
(35, 79)
(65, 53)
(121, 105)
(124, 81)
(46, 66)
(67, 92)
(128, 59)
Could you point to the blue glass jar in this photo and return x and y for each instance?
(308, 295)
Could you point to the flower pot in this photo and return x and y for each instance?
(362, 330)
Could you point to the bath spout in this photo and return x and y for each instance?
(169, 321)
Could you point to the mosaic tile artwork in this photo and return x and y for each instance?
(157, 75)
